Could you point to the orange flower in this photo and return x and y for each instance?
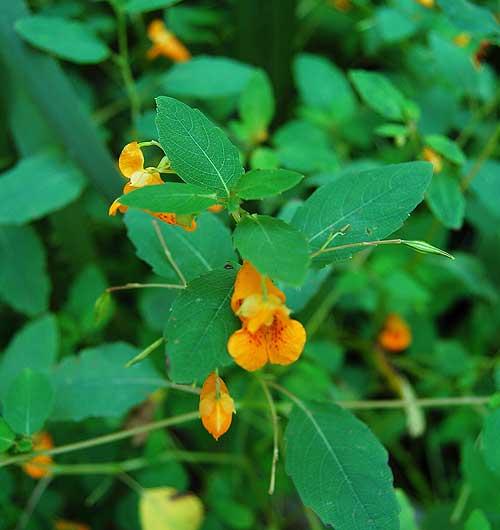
(426, 3)
(341, 5)
(396, 335)
(461, 40)
(166, 43)
(216, 406)
(268, 333)
(36, 466)
(131, 164)
(434, 158)
(62, 524)
(216, 208)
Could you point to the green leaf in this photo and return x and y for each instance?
(379, 94)
(407, 516)
(477, 521)
(34, 346)
(256, 105)
(392, 130)
(260, 183)
(486, 185)
(37, 186)
(199, 326)
(96, 383)
(490, 437)
(24, 283)
(340, 469)
(206, 77)
(143, 6)
(7, 436)
(446, 200)
(446, 147)
(365, 206)
(394, 25)
(470, 17)
(426, 248)
(198, 150)
(173, 197)
(28, 402)
(208, 247)
(323, 85)
(67, 39)
(273, 247)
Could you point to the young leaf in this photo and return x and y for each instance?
(486, 186)
(367, 206)
(467, 16)
(490, 437)
(208, 247)
(477, 521)
(34, 346)
(407, 517)
(446, 147)
(446, 200)
(67, 39)
(144, 6)
(198, 150)
(260, 183)
(96, 383)
(274, 247)
(7, 436)
(379, 93)
(37, 186)
(28, 402)
(199, 326)
(340, 469)
(173, 197)
(24, 283)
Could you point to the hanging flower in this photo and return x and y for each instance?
(36, 467)
(268, 334)
(165, 43)
(396, 334)
(434, 158)
(216, 406)
(131, 164)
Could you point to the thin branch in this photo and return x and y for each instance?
(35, 497)
(128, 286)
(360, 244)
(168, 254)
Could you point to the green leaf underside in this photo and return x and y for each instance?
(369, 206)
(274, 248)
(96, 383)
(7, 436)
(208, 247)
(260, 183)
(199, 326)
(28, 402)
(37, 186)
(67, 39)
(24, 283)
(171, 197)
(447, 201)
(340, 469)
(198, 150)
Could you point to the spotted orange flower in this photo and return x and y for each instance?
(131, 164)
(63, 524)
(461, 40)
(396, 334)
(36, 466)
(434, 158)
(268, 334)
(216, 406)
(166, 43)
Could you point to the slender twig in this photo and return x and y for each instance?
(35, 497)
(360, 244)
(145, 352)
(128, 286)
(168, 254)
(131, 483)
(274, 419)
(461, 504)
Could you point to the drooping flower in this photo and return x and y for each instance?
(63, 524)
(166, 43)
(268, 334)
(434, 158)
(216, 406)
(396, 334)
(36, 467)
(131, 164)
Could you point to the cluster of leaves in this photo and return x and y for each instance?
(328, 175)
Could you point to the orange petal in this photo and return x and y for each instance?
(175, 50)
(396, 335)
(249, 282)
(216, 412)
(36, 467)
(216, 208)
(286, 339)
(156, 30)
(210, 385)
(131, 159)
(249, 350)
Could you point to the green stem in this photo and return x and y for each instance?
(128, 286)
(144, 353)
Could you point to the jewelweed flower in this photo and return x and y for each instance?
(461, 40)
(36, 467)
(396, 334)
(434, 158)
(216, 406)
(268, 333)
(166, 43)
(62, 524)
(131, 164)
(426, 3)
